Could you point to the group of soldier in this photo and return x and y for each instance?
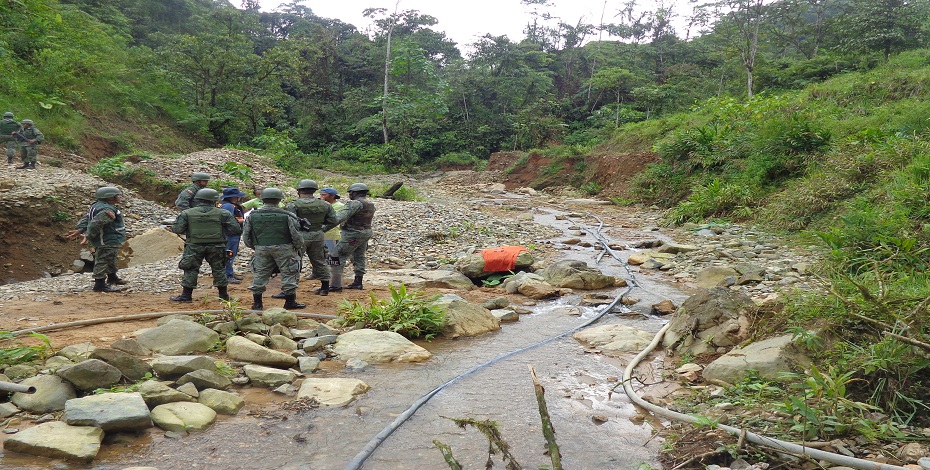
(280, 237)
(22, 134)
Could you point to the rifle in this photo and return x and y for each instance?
(18, 135)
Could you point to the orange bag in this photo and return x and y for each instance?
(501, 259)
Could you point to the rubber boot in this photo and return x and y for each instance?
(186, 295)
(224, 292)
(113, 278)
(24, 167)
(324, 288)
(290, 303)
(279, 295)
(257, 302)
(100, 285)
(356, 284)
(32, 165)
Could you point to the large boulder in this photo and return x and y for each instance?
(57, 440)
(768, 358)
(91, 374)
(332, 391)
(531, 285)
(52, 392)
(109, 411)
(241, 349)
(472, 265)
(715, 318)
(615, 338)
(375, 346)
(183, 416)
(576, 274)
(713, 276)
(155, 244)
(465, 319)
(179, 337)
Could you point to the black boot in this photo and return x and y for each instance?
(279, 295)
(290, 303)
(24, 167)
(257, 302)
(112, 278)
(32, 165)
(324, 288)
(224, 292)
(356, 284)
(186, 296)
(100, 285)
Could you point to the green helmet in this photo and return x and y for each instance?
(200, 177)
(307, 184)
(107, 192)
(208, 194)
(357, 187)
(8, 115)
(26, 121)
(272, 193)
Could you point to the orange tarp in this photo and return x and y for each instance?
(502, 258)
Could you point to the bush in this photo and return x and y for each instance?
(408, 314)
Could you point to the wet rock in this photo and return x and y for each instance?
(637, 259)
(537, 289)
(465, 319)
(375, 346)
(178, 337)
(769, 358)
(241, 349)
(615, 338)
(51, 394)
(57, 440)
(355, 364)
(206, 379)
(708, 320)
(224, 403)
(109, 411)
(175, 366)
(277, 315)
(130, 366)
(183, 416)
(313, 344)
(156, 393)
(268, 376)
(496, 303)
(505, 314)
(332, 392)
(91, 375)
(665, 307)
(576, 275)
(308, 365)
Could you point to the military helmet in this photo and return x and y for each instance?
(26, 121)
(357, 187)
(307, 184)
(200, 177)
(8, 114)
(107, 192)
(272, 193)
(207, 194)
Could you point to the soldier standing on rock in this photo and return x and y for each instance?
(186, 197)
(103, 227)
(355, 218)
(206, 228)
(317, 212)
(29, 149)
(8, 126)
(274, 234)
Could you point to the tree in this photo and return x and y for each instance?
(616, 80)
(884, 25)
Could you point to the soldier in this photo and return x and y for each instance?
(29, 149)
(206, 228)
(274, 234)
(8, 126)
(230, 202)
(103, 227)
(331, 237)
(317, 212)
(355, 218)
(186, 197)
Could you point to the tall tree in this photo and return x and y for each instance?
(884, 25)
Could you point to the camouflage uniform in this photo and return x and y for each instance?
(317, 212)
(206, 228)
(356, 219)
(275, 236)
(186, 197)
(7, 127)
(104, 228)
(30, 152)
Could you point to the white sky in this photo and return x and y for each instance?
(465, 21)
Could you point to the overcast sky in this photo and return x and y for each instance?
(464, 21)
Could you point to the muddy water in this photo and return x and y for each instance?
(577, 382)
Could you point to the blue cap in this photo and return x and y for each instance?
(330, 191)
(232, 192)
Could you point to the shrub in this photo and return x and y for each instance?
(408, 314)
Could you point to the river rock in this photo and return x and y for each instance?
(576, 274)
(375, 346)
(8, 409)
(769, 358)
(52, 392)
(241, 349)
(77, 352)
(708, 320)
(912, 452)
(252, 323)
(54, 363)
(131, 346)
(179, 337)
(282, 343)
(675, 248)
(280, 330)
(310, 345)
(189, 388)
(204, 378)
(155, 244)
(641, 257)
(21, 371)
(130, 366)
(109, 411)
(268, 376)
(505, 314)
(224, 403)
(278, 315)
(176, 366)
(615, 338)
(57, 440)
(91, 375)
(332, 391)
(472, 265)
(308, 365)
(156, 393)
(465, 319)
(665, 307)
(423, 278)
(183, 416)
(713, 276)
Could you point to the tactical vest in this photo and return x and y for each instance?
(361, 219)
(314, 210)
(270, 227)
(8, 126)
(205, 226)
(111, 234)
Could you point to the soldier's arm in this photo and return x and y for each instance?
(180, 224)
(296, 238)
(95, 226)
(39, 136)
(247, 233)
(79, 229)
(350, 208)
(183, 200)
